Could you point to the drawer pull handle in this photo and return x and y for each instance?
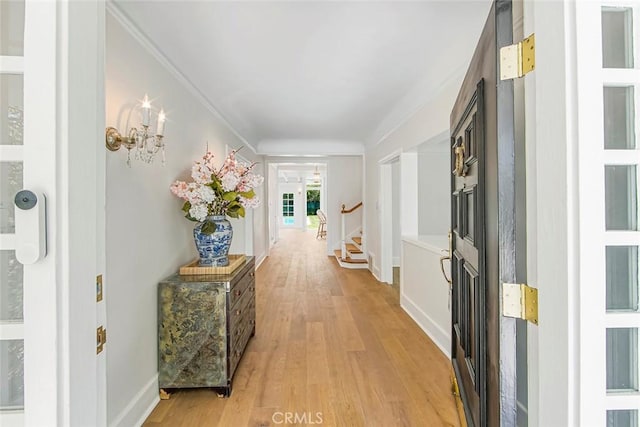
(238, 312)
(252, 274)
(238, 293)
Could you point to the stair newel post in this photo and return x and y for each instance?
(343, 247)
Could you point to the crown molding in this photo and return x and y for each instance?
(310, 147)
(127, 23)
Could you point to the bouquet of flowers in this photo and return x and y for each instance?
(225, 191)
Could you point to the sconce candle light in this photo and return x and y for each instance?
(146, 142)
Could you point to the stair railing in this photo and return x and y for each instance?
(344, 212)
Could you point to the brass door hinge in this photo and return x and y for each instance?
(454, 385)
(518, 59)
(101, 339)
(520, 301)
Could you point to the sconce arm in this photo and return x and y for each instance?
(114, 140)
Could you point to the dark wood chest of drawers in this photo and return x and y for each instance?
(204, 325)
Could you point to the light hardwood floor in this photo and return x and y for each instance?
(331, 345)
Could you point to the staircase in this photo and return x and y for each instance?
(351, 254)
(354, 257)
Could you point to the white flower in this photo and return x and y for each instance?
(230, 181)
(206, 194)
(256, 180)
(253, 202)
(199, 212)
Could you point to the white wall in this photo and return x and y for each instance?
(147, 236)
(272, 202)
(260, 220)
(424, 292)
(434, 203)
(427, 123)
(344, 186)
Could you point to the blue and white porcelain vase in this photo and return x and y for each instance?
(214, 248)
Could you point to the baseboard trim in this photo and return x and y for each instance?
(439, 336)
(260, 260)
(376, 273)
(140, 407)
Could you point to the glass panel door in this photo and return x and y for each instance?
(620, 84)
(11, 181)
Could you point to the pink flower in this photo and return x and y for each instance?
(180, 189)
(204, 195)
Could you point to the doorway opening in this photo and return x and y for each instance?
(297, 191)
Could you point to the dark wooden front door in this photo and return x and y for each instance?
(467, 261)
(483, 231)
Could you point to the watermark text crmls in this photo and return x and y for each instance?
(308, 418)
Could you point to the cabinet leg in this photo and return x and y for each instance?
(224, 391)
(253, 332)
(164, 395)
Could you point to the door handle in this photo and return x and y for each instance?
(447, 257)
(442, 260)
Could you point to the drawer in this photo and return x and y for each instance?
(241, 322)
(238, 350)
(242, 301)
(239, 288)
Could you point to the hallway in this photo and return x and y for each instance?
(332, 347)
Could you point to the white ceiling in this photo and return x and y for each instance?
(315, 73)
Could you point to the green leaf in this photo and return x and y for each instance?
(230, 196)
(208, 227)
(241, 211)
(185, 209)
(248, 194)
(216, 185)
(232, 214)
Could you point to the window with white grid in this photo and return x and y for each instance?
(621, 101)
(609, 172)
(607, 79)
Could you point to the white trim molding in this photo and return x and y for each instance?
(439, 336)
(140, 407)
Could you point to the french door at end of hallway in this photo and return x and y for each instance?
(27, 155)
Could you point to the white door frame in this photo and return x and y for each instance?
(551, 156)
(271, 171)
(386, 210)
(80, 213)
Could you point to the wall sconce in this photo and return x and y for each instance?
(146, 142)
